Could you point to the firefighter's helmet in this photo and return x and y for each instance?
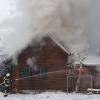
(8, 75)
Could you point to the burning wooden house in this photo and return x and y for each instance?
(42, 67)
(45, 66)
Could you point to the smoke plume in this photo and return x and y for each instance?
(69, 21)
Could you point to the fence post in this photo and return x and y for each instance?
(69, 77)
(67, 83)
(91, 83)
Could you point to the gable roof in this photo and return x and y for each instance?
(60, 45)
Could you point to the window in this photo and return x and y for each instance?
(26, 72)
(43, 73)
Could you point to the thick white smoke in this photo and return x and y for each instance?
(22, 21)
(93, 29)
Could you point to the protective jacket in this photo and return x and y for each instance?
(6, 85)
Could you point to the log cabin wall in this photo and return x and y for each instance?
(54, 59)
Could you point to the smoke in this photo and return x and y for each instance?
(93, 29)
(22, 21)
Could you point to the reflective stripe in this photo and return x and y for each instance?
(7, 84)
(5, 91)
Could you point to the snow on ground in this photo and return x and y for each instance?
(51, 96)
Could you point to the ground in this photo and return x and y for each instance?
(51, 96)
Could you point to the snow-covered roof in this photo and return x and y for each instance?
(91, 60)
(60, 45)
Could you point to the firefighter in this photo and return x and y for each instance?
(6, 84)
